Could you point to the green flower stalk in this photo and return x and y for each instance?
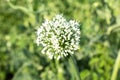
(116, 67)
(59, 37)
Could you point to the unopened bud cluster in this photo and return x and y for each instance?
(59, 37)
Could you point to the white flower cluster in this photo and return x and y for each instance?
(58, 37)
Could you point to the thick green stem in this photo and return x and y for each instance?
(73, 68)
(59, 70)
(116, 67)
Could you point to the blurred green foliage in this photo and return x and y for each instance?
(21, 59)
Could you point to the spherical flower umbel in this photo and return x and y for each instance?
(59, 37)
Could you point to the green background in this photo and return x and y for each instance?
(21, 58)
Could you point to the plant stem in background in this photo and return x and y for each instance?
(116, 67)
